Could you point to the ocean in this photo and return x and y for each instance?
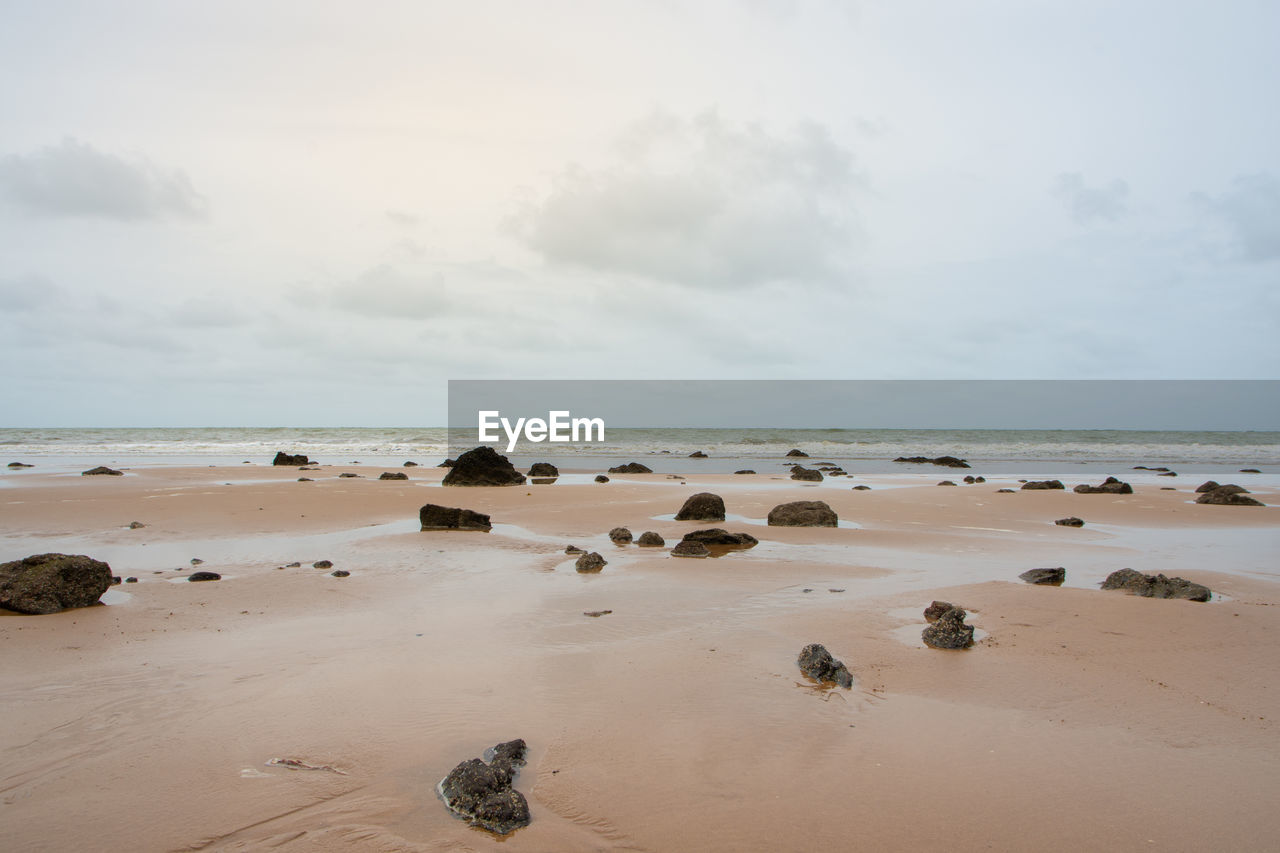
(862, 450)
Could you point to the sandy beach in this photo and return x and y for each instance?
(1081, 719)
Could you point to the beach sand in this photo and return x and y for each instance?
(1082, 719)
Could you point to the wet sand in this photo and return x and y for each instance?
(1082, 720)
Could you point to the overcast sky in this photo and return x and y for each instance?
(292, 213)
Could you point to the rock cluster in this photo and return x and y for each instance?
(1042, 484)
(482, 794)
(797, 452)
(393, 475)
(1228, 495)
(1109, 486)
(802, 473)
(1156, 586)
(631, 468)
(283, 458)
(945, 461)
(948, 631)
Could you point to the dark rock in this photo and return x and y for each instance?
(703, 506)
(1109, 486)
(1208, 486)
(305, 480)
(196, 577)
(347, 475)
(601, 478)
(1070, 521)
(448, 463)
(716, 537)
(482, 466)
(802, 473)
(933, 611)
(1229, 495)
(135, 525)
(1242, 470)
(283, 458)
(1042, 484)
(1145, 468)
(1156, 586)
(744, 471)
(1045, 577)
(482, 794)
(1168, 489)
(573, 549)
(49, 583)
(946, 483)
(690, 548)
(797, 452)
(590, 563)
(436, 517)
(803, 514)
(543, 469)
(195, 561)
(596, 614)
(970, 480)
(620, 536)
(322, 564)
(649, 539)
(949, 631)
(410, 464)
(393, 475)
(20, 465)
(945, 461)
(631, 468)
(340, 573)
(861, 489)
(102, 469)
(697, 454)
(1168, 474)
(130, 580)
(980, 479)
(817, 663)
(115, 580)
(542, 481)
(1005, 492)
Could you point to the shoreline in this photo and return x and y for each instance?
(678, 720)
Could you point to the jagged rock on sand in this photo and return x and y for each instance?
(1242, 470)
(196, 577)
(482, 466)
(946, 483)
(690, 548)
(1156, 586)
(861, 489)
(1042, 484)
(697, 454)
(744, 471)
(283, 458)
(649, 539)
(590, 563)
(436, 517)
(410, 464)
(1229, 495)
(1109, 486)
(448, 463)
(631, 468)
(948, 631)
(601, 478)
(817, 663)
(543, 469)
(596, 614)
(49, 583)
(704, 506)
(340, 573)
(322, 564)
(1005, 492)
(393, 475)
(800, 472)
(803, 514)
(797, 452)
(135, 525)
(1070, 521)
(102, 470)
(482, 794)
(620, 536)
(347, 475)
(945, 461)
(1045, 577)
(573, 549)
(718, 537)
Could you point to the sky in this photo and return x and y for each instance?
(317, 213)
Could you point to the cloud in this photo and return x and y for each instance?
(75, 179)
(704, 202)
(1092, 204)
(1251, 210)
(207, 313)
(386, 292)
(405, 220)
(27, 293)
